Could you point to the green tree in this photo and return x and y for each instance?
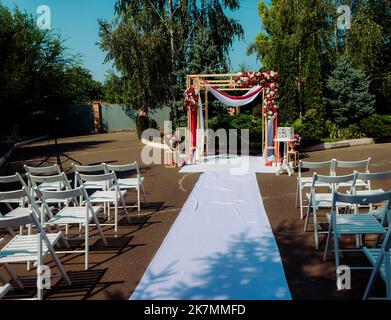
(295, 41)
(155, 43)
(36, 72)
(349, 100)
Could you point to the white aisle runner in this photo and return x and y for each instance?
(221, 247)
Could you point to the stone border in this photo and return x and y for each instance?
(3, 160)
(339, 144)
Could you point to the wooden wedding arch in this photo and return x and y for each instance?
(226, 83)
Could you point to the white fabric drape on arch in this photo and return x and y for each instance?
(239, 101)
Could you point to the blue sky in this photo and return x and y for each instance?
(76, 21)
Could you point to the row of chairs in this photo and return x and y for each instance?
(48, 202)
(356, 210)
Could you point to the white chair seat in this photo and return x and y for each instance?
(18, 212)
(24, 248)
(357, 224)
(325, 200)
(51, 186)
(72, 215)
(129, 183)
(106, 196)
(95, 185)
(307, 182)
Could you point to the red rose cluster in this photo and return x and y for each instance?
(268, 80)
(191, 98)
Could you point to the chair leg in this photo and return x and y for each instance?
(116, 217)
(307, 218)
(13, 276)
(373, 277)
(86, 246)
(301, 203)
(138, 200)
(336, 250)
(101, 234)
(124, 208)
(316, 235)
(145, 196)
(327, 243)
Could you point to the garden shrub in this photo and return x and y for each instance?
(377, 127)
(312, 128)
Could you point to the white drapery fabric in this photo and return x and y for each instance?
(239, 101)
(200, 133)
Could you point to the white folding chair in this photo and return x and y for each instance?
(60, 180)
(380, 258)
(359, 166)
(73, 215)
(324, 200)
(369, 178)
(91, 170)
(28, 248)
(14, 180)
(46, 171)
(112, 195)
(136, 183)
(356, 224)
(306, 182)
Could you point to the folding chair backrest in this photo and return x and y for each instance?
(123, 168)
(363, 199)
(9, 179)
(23, 193)
(133, 168)
(354, 165)
(334, 180)
(89, 169)
(51, 170)
(61, 195)
(60, 178)
(375, 176)
(108, 177)
(316, 165)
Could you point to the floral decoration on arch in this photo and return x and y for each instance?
(269, 81)
(191, 99)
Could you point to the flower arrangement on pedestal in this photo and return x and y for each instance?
(295, 144)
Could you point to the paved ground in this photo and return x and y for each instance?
(116, 271)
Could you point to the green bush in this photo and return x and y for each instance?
(142, 124)
(239, 122)
(352, 132)
(312, 128)
(377, 127)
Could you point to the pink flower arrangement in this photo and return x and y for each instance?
(143, 114)
(296, 143)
